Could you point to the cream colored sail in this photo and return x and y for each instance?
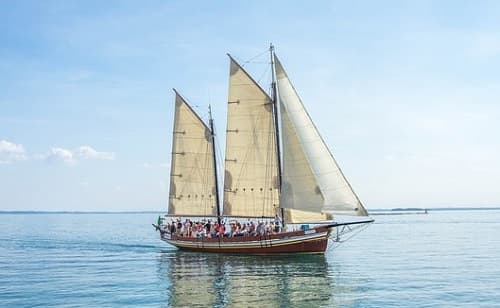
(303, 200)
(192, 181)
(311, 179)
(250, 180)
(298, 216)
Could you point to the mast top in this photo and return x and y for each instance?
(273, 73)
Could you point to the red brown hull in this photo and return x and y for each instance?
(314, 240)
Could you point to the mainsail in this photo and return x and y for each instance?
(311, 179)
(192, 181)
(251, 170)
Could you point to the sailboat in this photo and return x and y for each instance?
(278, 170)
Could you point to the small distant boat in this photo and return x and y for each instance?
(277, 169)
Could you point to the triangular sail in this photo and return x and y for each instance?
(311, 179)
(250, 183)
(299, 188)
(192, 181)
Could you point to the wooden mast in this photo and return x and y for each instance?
(212, 135)
(276, 124)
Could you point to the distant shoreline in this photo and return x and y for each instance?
(413, 209)
(393, 210)
(81, 212)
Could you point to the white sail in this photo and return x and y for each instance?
(299, 186)
(250, 180)
(192, 181)
(299, 216)
(311, 179)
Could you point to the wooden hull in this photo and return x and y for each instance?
(314, 240)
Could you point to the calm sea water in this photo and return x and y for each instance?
(444, 259)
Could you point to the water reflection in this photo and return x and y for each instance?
(215, 280)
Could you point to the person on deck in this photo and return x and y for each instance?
(251, 228)
(179, 227)
(215, 231)
(222, 230)
(261, 229)
(172, 227)
(277, 224)
(208, 226)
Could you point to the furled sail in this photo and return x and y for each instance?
(192, 181)
(250, 183)
(311, 179)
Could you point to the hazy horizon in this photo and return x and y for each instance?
(404, 93)
(164, 211)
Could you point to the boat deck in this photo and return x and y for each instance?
(313, 240)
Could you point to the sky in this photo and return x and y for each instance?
(405, 93)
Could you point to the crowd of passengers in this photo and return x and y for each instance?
(212, 229)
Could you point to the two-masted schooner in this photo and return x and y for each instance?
(278, 170)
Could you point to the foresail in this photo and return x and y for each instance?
(298, 189)
(192, 182)
(297, 216)
(311, 179)
(250, 180)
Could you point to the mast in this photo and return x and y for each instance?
(276, 123)
(212, 134)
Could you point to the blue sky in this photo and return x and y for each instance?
(406, 93)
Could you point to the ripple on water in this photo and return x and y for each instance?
(435, 260)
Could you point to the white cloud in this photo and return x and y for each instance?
(60, 155)
(71, 156)
(11, 152)
(86, 151)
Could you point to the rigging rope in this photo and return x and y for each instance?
(337, 242)
(255, 57)
(251, 60)
(263, 74)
